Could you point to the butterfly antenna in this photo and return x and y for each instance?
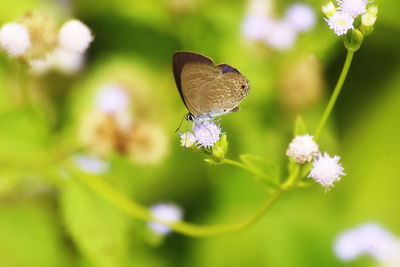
(180, 124)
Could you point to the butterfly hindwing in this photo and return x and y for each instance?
(207, 89)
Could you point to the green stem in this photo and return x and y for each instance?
(136, 210)
(253, 171)
(335, 94)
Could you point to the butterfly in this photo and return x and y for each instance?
(206, 89)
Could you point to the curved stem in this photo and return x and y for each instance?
(252, 171)
(136, 210)
(335, 94)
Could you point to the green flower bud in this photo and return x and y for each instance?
(329, 9)
(353, 40)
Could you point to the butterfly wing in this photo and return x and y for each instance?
(179, 60)
(207, 89)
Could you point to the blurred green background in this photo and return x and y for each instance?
(47, 220)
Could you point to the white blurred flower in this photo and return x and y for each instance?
(67, 61)
(91, 164)
(302, 149)
(326, 170)
(188, 139)
(257, 20)
(167, 213)
(255, 26)
(75, 36)
(353, 7)
(15, 39)
(112, 98)
(340, 22)
(41, 66)
(369, 239)
(206, 133)
(280, 36)
(301, 17)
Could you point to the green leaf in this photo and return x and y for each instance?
(97, 228)
(299, 126)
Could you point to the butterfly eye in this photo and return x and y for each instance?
(243, 86)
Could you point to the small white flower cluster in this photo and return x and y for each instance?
(341, 19)
(67, 55)
(260, 25)
(326, 170)
(205, 134)
(168, 213)
(74, 39)
(369, 239)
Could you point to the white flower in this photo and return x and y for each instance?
(369, 239)
(301, 17)
(353, 7)
(75, 36)
(112, 98)
(15, 39)
(67, 61)
(326, 170)
(167, 213)
(187, 139)
(255, 26)
(91, 164)
(340, 22)
(280, 35)
(206, 133)
(302, 149)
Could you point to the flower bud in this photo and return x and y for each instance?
(368, 20)
(373, 10)
(220, 149)
(353, 40)
(329, 9)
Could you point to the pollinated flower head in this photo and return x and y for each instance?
(75, 36)
(15, 39)
(207, 133)
(167, 213)
(148, 144)
(43, 32)
(340, 23)
(302, 149)
(353, 8)
(326, 170)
